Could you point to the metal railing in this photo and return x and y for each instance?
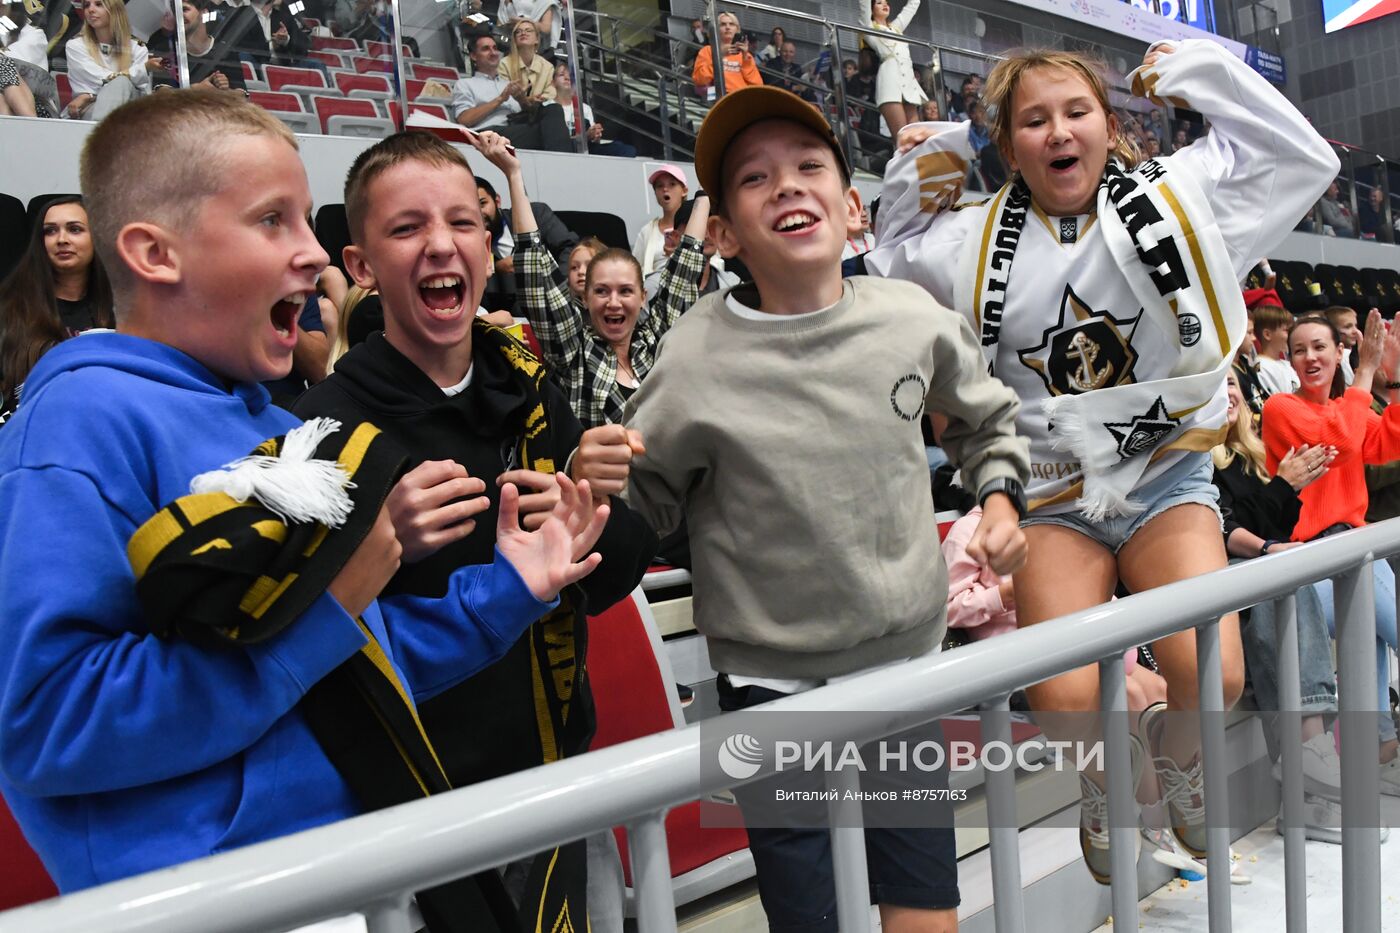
(371, 863)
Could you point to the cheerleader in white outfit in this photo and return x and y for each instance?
(1105, 292)
(897, 92)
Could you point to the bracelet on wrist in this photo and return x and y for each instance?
(1392, 385)
(1264, 548)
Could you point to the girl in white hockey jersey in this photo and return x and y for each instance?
(1105, 292)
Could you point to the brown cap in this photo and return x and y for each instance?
(737, 111)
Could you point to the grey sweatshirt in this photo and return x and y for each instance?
(793, 449)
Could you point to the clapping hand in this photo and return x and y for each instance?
(557, 553)
(1300, 467)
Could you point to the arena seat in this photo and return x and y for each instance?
(415, 88)
(65, 88)
(288, 109)
(39, 202)
(23, 879)
(371, 87)
(437, 110)
(249, 72)
(334, 43)
(1343, 285)
(343, 116)
(303, 81)
(363, 65)
(609, 228)
(327, 58)
(441, 72)
(385, 49)
(14, 233)
(333, 232)
(1294, 278)
(635, 695)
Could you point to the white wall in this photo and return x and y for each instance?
(48, 150)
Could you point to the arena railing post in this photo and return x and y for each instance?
(848, 853)
(651, 873)
(1003, 829)
(1118, 780)
(400, 72)
(391, 916)
(571, 54)
(1355, 607)
(1288, 727)
(1216, 779)
(716, 53)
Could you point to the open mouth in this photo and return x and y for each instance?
(442, 294)
(796, 222)
(284, 314)
(1064, 164)
(614, 318)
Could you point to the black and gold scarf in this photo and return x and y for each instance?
(226, 573)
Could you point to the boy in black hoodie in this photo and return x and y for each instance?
(468, 403)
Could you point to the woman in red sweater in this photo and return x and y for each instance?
(1323, 412)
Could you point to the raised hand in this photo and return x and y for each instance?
(430, 509)
(912, 135)
(535, 506)
(604, 458)
(556, 554)
(497, 150)
(1373, 343)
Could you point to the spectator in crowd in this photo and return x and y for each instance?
(525, 67)
(1259, 516)
(1325, 413)
(598, 351)
(928, 111)
(500, 289)
(16, 99)
(898, 93)
(769, 636)
(24, 46)
(1181, 139)
(969, 91)
(279, 37)
(488, 99)
(1156, 125)
(102, 656)
(1372, 215)
(476, 416)
(564, 97)
(1246, 371)
(106, 66)
(578, 260)
(58, 289)
(213, 63)
(848, 71)
(669, 188)
(1335, 214)
(1271, 325)
(62, 23)
(1140, 512)
(1152, 147)
(740, 69)
(858, 244)
(714, 276)
(698, 32)
(788, 71)
(543, 13)
(774, 49)
(1345, 320)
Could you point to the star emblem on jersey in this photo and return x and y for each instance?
(1084, 350)
(1145, 431)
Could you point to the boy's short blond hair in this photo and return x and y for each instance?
(156, 159)
(413, 145)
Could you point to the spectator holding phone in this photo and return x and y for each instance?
(740, 69)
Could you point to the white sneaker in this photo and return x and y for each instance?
(1390, 777)
(1322, 820)
(1322, 768)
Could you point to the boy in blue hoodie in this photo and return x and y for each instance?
(122, 752)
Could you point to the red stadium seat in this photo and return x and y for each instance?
(329, 59)
(378, 49)
(280, 76)
(361, 116)
(415, 88)
(332, 43)
(65, 90)
(437, 110)
(287, 108)
(434, 71)
(364, 65)
(635, 694)
(23, 879)
(377, 84)
(249, 74)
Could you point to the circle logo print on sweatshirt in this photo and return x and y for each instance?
(907, 396)
(740, 756)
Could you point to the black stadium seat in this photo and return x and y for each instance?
(1292, 286)
(333, 232)
(1343, 286)
(14, 233)
(40, 201)
(1384, 284)
(609, 228)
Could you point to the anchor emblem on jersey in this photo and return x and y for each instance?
(1084, 350)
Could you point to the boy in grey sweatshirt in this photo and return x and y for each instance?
(782, 421)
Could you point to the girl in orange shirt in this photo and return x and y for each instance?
(1324, 412)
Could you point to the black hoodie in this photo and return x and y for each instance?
(487, 726)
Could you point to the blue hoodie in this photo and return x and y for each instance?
(119, 752)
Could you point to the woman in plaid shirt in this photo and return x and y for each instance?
(598, 354)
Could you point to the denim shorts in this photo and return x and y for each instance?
(1185, 483)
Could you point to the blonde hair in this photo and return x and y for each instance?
(1241, 441)
(157, 158)
(1007, 75)
(121, 36)
(353, 297)
(410, 146)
